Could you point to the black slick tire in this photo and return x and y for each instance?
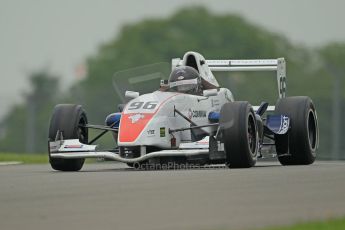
(68, 119)
(239, 133)
(298, 146)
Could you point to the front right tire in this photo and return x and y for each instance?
(298, 146)
(239, 133)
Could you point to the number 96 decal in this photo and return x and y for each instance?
(144, 105)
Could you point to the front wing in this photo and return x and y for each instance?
(73, 149)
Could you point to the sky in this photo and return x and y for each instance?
(60, 35)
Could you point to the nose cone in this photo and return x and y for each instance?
(140, 113)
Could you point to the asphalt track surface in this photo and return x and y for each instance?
(112, 196)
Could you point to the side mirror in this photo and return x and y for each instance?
(210, 92)
(131, 94)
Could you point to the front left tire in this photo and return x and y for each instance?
(68, 119)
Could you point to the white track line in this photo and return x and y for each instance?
(10, 163)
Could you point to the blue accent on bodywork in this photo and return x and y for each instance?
(278, 124)
(113, 120)
(213, 117)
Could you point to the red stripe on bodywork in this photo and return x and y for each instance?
(130, 129)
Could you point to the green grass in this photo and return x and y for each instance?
(333, 224)
(25, 158)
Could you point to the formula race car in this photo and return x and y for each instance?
(191, 120)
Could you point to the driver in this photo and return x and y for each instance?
(185, 79)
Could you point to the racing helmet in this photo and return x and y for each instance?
(185, 79)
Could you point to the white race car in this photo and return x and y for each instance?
(191, 120)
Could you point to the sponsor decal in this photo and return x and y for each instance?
(214, 102)
(184, 82)
(285, 123)
(202, 143)
(190, 114)
(196, 113)
(282, 86)
(151, 132)
(199, 113)
(150, 105)
(136, 117)
(162, 132)
(278, 124)
(73, 146)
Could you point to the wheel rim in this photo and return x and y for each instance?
(312, 130)
(251, 134)
(82, 131)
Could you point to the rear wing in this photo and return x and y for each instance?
(278, 65)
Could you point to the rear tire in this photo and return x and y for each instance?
(240, 134)
(298, 146)
(67, 119)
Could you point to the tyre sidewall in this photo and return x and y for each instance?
(234, 118)
(66, 119)
(295, 145)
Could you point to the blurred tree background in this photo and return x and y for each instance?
(25, 127)
(317, 73)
